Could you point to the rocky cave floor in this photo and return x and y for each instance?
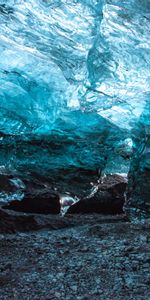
(76, 257)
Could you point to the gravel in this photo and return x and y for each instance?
(93, 258)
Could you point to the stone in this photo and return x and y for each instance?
(74, 288)
(42, 202)
(10, 223)
(115, 184)
(102, 203)
(108, 198)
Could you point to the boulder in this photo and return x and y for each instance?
(101, 202)
(109, 198)
(115, 184)
(12, 223)
(43, 202)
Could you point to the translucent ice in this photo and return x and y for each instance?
(73, 85)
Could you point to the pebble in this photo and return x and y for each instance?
(89, 267)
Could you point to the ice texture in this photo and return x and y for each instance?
(138, 194)
(74, 87)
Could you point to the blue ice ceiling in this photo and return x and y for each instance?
(58, 56)
(74, 81)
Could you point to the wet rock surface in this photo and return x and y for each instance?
(95, 257)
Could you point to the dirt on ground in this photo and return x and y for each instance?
(79, 257)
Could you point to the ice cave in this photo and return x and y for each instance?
(74, 99)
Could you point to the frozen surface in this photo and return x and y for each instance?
(73, 83)
(59, 56)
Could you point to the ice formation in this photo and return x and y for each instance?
(74, 92)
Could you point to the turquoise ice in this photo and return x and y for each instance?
(74, 89)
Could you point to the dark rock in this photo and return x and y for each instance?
(43, 202)
(74, 180)
(6, 183)
(11, 223)
(101, 202)
(115, 184)
(109, 199)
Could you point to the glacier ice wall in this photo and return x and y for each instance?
(73, 86)
(138, 194)
(65, 55)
